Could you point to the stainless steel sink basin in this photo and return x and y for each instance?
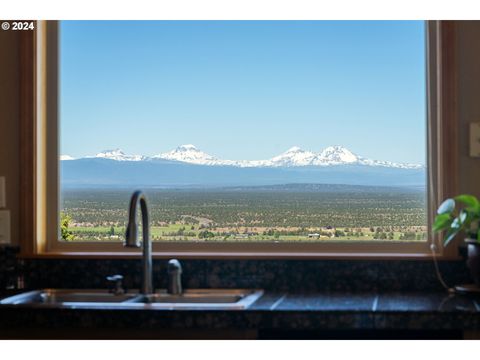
(61, 296)
(190, 299)
(198, 297)
(203, 298)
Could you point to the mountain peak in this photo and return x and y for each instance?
(295, 156)
(188, 153)
(294, 149)
(187, 147)
(111, 152)
(119, 155)
(337, 154)
(336, 148)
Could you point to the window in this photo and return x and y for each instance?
(308, 138)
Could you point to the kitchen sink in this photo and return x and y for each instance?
(189, 299)
(145, 298)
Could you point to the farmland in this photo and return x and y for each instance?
(277, 213)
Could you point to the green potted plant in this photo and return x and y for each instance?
(462, 214)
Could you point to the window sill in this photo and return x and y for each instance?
(238, 256)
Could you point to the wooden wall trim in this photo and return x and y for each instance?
(448, 106)
(448, 124)
(27, 141)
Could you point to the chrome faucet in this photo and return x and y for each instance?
(174, 270)
(131, 238)
(116, 281)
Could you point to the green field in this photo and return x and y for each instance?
(320, 213)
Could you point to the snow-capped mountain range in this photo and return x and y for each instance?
(293, 157)
(118, 155)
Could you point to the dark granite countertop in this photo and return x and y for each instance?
(274, 310)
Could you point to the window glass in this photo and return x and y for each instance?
(244, 131)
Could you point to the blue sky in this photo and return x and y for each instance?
(244, 90)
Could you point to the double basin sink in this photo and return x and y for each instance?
(190, 299)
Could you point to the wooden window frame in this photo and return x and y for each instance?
(39, 168)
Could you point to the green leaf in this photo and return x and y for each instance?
(456, 223)
(471, 201)
(442, 222)
(463, 217)
(450, 235)
(446, 207)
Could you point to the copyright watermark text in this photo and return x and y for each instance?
(18, 25)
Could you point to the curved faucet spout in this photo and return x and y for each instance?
(131, 237)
